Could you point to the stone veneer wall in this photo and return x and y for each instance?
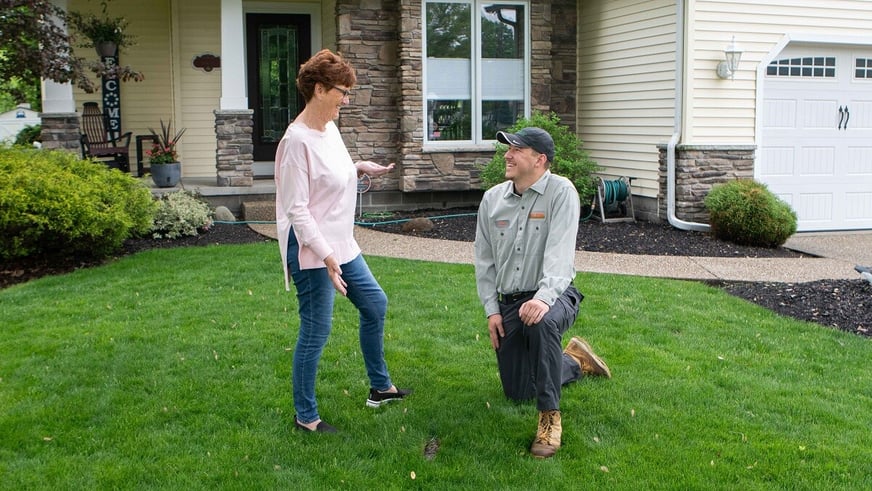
(564, 62)
(697, 169)
(367, 32)
(61, 131)
(382, 39)
(235, 150)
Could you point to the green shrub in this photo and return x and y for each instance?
(180, 213)
(747, 213)
(28, 135)
(52, 202)
(570, 159)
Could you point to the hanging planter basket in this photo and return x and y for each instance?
(106, 48)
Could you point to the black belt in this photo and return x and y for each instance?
(508, 298)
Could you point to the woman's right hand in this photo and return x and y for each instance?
(335, 274)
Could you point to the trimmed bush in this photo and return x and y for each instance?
(181, 213)
(28, 135)
(745, 212)
(570, 159)
(53, 203)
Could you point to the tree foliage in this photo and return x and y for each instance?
(571, 160)
(34, 45)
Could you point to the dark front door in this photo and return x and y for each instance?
(277, 45)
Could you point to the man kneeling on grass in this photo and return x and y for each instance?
(524, 267)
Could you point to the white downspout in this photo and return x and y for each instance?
(679, 107)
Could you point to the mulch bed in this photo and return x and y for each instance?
(839, 304)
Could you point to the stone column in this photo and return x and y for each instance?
(235, 153)
(61, 131)
(60, 123)
(697, 169)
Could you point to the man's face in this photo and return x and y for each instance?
(522, 162)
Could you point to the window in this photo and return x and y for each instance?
(863, 68)
(476, 69)
(806, 67)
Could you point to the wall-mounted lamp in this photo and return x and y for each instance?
(732, 55)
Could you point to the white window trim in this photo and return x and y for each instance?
(479, 142)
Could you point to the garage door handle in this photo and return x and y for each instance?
(841, 116)
(847, 117)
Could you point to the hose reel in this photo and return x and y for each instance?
(615, 200)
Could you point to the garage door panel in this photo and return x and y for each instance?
(815, 207)
(859, 115)
(858, 206)
(779, 113)
(816, 161)
(858, 161)
(777, 162)
(819, 114)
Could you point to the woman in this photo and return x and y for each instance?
(316, 186)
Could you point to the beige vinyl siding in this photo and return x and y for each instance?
(199, 32)
(723, 111)
(627, 86)
(142, 103)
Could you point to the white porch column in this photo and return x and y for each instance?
(60, 123)
(232, 56)
(58, 98)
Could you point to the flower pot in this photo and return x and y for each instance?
(106, 48)
(166, 175)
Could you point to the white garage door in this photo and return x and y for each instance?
(816, 141)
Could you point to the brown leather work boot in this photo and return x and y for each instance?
(591, 364)
(547, 435)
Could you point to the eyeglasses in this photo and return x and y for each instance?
(345, 92)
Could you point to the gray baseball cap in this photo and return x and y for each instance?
(531, 137)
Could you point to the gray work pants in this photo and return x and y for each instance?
(531, 359)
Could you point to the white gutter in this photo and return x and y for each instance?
(670, 148)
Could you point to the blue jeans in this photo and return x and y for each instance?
(315, 294)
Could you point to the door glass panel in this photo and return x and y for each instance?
(278, 72)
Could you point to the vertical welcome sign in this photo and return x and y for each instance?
(112, 97)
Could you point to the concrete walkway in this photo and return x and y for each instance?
(831, 256)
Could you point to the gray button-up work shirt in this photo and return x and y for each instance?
(526, 243)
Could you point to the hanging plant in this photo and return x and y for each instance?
(107, 35)
(100, 29)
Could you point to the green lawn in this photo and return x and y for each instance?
(170, 369)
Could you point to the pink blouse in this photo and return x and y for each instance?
(316, 188)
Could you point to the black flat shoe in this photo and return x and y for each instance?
(377, 398)
(321, 428)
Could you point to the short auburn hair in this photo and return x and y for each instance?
(327, 68)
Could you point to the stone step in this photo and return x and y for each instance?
(259, 211)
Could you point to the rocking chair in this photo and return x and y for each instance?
(99, 144)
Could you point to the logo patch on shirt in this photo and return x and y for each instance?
(537, 215)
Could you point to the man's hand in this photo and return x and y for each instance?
(372, 169)
(335, 274)
(533, 311)
(495, 328)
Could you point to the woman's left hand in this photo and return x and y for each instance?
(372, 169)
(335, 274)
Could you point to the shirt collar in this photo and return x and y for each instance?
(538, 186)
